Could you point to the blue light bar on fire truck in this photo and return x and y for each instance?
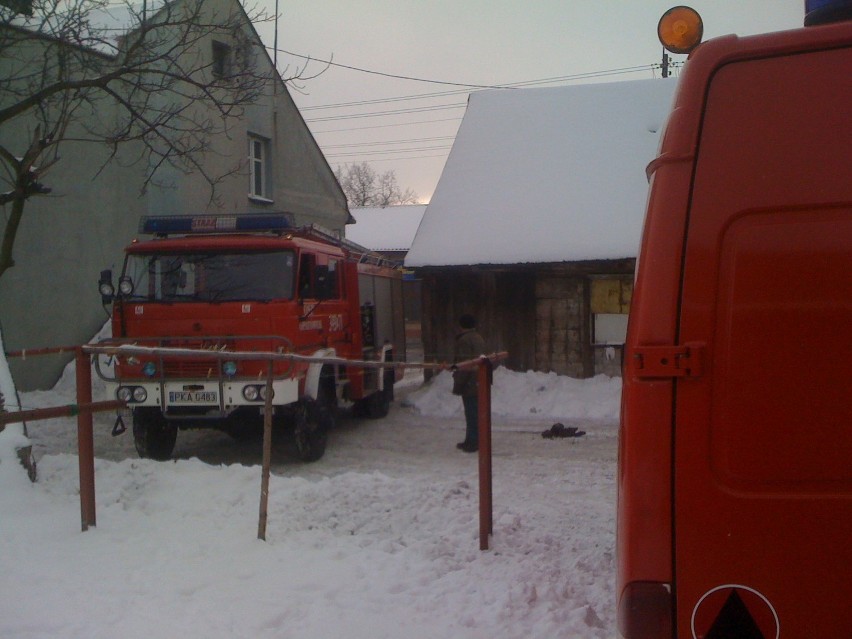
(245, 222)
(825, 11)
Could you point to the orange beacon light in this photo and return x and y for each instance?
(680, 29)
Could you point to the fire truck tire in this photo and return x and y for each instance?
(377, 405)
(327, 395)
(153, 435)
(313, 420)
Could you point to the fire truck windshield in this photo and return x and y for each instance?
(209, 277)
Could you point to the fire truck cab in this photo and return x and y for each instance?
(242, 284)
(735, 458)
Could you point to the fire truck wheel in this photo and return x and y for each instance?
(327, 395)
(153, 434)
(375, 406)
(378, 404)
(313, 420)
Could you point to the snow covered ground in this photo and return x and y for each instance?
(379, 539)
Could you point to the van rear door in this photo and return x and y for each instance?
(763, 436)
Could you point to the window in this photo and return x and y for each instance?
(210, 277)
(307, 265)
(258, 159)
(327, 287)
(221, 59)
(610, 303)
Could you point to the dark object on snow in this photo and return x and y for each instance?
(561, 430)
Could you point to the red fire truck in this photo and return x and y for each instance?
(735, 460)
(244, 283)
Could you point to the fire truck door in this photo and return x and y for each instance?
(763, 435)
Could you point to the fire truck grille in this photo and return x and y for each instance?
(195, 368)
(191, 368)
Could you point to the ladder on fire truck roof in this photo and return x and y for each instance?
(365, 255)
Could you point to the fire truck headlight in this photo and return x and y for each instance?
(139, 394)
(149, 369)
(229, 368)
(124, 393)
(251, 393)
(125, 285)
(106, 289)
(263, 393)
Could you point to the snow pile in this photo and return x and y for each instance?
(528, 395)
(379, 539)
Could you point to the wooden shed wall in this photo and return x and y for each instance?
(502, 302)
(540, 314)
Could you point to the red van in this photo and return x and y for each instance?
(735, 460)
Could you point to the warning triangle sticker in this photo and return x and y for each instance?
(734, 620)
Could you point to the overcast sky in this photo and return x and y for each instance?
(470, 43)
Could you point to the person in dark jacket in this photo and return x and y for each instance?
(469, 345)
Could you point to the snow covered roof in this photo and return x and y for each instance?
(385, 229)
(546, 175)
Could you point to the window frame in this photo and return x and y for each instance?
(258, 168)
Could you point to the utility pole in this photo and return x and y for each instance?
(275, 41)
(665, 65)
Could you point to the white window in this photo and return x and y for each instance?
(258, 158)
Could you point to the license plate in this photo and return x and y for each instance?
(193, 397)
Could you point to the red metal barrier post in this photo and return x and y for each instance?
(85, 441)
(486, 514)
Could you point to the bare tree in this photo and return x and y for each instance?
(358, 182)
(389, 192)
(364, 187)
(165, 83)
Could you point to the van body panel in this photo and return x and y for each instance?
(735, 477)
(763, 459)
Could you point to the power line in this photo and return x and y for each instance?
(390, 75)
(413, 157)
(374, 114)
(390, 151)
(418, 96)
(512, 85)
(424, 152)
(408, 141)
(385, 126)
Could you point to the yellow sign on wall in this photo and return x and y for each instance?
(611, 295)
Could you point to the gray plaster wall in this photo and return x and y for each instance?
(50, 298)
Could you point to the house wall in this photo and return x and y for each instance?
(299, 179)
(540, 314)
(50, 298)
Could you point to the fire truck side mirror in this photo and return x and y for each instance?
(106, 288)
